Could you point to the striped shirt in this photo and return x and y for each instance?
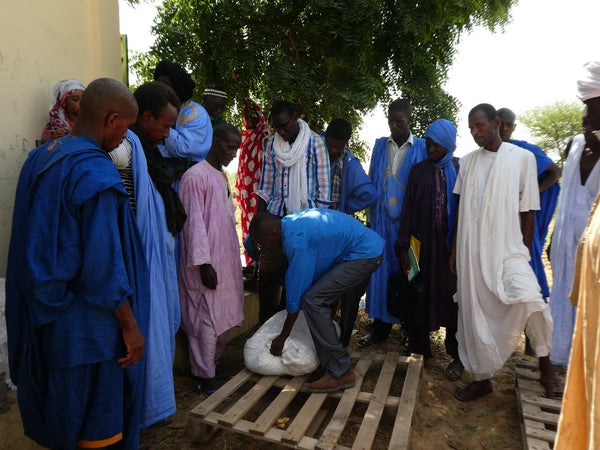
(273, 188)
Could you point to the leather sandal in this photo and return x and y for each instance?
(473, 390)
(454, 370)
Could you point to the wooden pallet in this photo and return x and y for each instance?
(539, 414)
(279, 410)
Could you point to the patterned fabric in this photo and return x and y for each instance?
(58, 117)
(274, 180)
(121, 158)
(249, 167)
(443, 132)
(336, 178)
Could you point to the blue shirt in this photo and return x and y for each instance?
(315, 240)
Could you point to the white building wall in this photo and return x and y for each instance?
(42, 42)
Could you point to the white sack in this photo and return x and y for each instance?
(298, 357)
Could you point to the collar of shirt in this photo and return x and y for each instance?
(396, 154)
(391, 143)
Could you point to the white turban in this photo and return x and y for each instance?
(589, 84)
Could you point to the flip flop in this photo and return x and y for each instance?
(368, 340)
(454, 370)
(552, 386)
(222, 377)
(473, 390)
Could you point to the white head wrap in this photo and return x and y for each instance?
(589, 84)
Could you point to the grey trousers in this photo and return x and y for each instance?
(316, 304)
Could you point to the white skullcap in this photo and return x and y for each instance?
(589, 84)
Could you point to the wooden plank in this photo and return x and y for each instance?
(332, 432)
(535, 413)
(552, 404)
(274, 435)
(526, 363)
(243, 405)
(227, 407)
(541, 434)
(408, 400)
(533, 443)
(213, 401)
(363, 397)
(317, 421)
(527, 373)
(529, 386)
(302, 421)
(536, 444)
(277, 406)
(368, 428)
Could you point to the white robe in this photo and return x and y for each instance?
(497, 290)
(574, 206)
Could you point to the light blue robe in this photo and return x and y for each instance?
(165, 315)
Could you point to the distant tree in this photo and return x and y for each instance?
(332, 58)
(553, 126)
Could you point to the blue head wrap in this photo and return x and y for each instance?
(443, 132)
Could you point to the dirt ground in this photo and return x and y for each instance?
(440, 421)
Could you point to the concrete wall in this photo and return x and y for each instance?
(43, 42)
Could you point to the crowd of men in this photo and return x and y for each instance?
(124, 230)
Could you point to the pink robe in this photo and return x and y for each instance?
(209, 236)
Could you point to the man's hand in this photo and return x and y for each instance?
(261, 205)
(277, 345)
(402, 254)
(135, 342)
(59, 132)
(208, 276)
(452, 260)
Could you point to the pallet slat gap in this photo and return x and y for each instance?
(277, 406)
(332, 432)
(408, 399)
(213, 401)
(243, 405)
(368, 428)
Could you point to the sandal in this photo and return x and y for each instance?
(454, 370)
(552, 386)
(222, 377)
(368, 340)
(473, 390)
(209, 385)
(163, 422)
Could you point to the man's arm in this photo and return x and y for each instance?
(452, 259)
(277, 343)
(134, 341)
(192, 138)
(362, 192)
(549, 176)
(527, 226)
(298, 279)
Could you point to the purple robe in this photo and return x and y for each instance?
(209, 237)
(425, 216)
